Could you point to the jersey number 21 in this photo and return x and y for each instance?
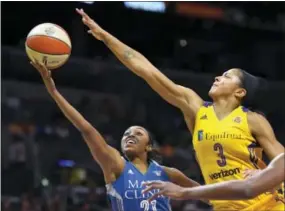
(145, 205)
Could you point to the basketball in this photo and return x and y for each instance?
(49, 44)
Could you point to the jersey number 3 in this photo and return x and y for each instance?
(219, 148)
(145, 205)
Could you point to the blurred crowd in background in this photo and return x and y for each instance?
(45, 162)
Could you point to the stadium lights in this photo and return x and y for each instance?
(88, 2)
(146, 6)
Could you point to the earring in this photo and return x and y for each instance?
(148, 148)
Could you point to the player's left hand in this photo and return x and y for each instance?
(95, 29)
(165, 188)
(45, 74)
(250, 172)
(41, 68)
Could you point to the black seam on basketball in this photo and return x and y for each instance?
(52, 68)
(53, 54)
(58, 66)
(52, 38)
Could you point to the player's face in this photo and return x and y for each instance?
(135, 141)
(227, 84)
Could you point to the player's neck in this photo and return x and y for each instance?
(140, 164)
(224, 107)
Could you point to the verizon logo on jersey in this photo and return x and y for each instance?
(224, 173)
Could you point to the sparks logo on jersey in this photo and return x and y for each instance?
(237, 119)
(157, 173)
(130, 171)
(204, 117)
(200, 135)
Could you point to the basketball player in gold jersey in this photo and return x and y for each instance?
(228, 138)
(266, 179)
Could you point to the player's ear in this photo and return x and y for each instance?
(240, 93)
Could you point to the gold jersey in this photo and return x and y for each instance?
(224, 149)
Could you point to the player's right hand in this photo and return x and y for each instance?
(165, 188)
(45, 73)
(95, 29)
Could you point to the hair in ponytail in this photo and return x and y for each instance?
(256, 89)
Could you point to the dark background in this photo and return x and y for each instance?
(190, 42)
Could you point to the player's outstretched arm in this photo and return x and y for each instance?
(185, 99)
(267, 179)
(107, 157)
(178, 178)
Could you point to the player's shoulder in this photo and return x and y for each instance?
(156, 165)
(166, 168)
(203, 111)
(192, 101)
(174, 174)
(205, 106)
(257, 122)
(170, 171)
(255, 117)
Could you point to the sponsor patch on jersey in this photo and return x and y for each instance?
(200, 135)
(224, 173)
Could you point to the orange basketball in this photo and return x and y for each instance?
(50, 44)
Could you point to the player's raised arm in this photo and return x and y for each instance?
(107, 157)
(178, 178)
(185, 99)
